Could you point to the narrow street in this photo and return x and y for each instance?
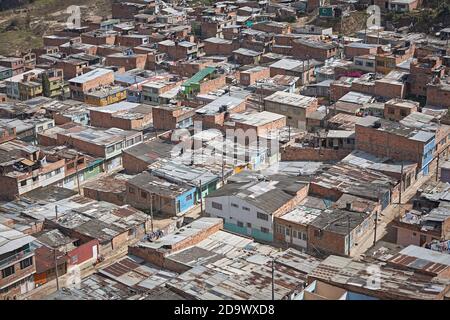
(387, 216)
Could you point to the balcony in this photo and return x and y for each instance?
(17, 257)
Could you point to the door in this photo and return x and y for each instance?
(94, 252)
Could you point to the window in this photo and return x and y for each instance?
(137, 139)
(240, 224)
(249, 225)
(403, 113)
(119, 146)
(369, 64)
(264, 230)
(110, 149)
(234, 205)
(358, 62)
(189, 197)
(144, 194)
(305, 236)
(391, 111)
(26, 263)
(58, 171)
(8, 271)
(294, 233)
(131, 190)
(129, 142)
(74, 259)
(287, 231)
(23, 183)
(262, 216)
(245, 209)
(216, 205)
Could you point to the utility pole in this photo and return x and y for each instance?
(273, 279)
(375, 231)
(348, 232)
(201, 197)
(437, 167)
(376, 219)
(151, 208)
(56, 269)
(76, 172)
(401, 185)
(223, 168)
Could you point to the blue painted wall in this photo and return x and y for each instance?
(428, 151)
(186, 200)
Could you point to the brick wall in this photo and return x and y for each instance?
(292, 153)
(382, 143)
(133, 165)
(249, 78)
(128, 62)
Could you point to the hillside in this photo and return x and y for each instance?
(22, 29)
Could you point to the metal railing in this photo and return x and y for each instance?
(16, 257)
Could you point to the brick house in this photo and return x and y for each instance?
(172, 116)
(96, 78)
(394, 140)
(397, 109)
(150, 193)
(252, 75)
(123, 115)
(308, 49)
(295, 107)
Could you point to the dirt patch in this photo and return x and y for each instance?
(22, 29)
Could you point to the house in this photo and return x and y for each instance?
(395, 140)
(24, 168)
(206, 80)
(112, 226)
(352, 103)
(105, 95)
(21, 86)
(94, 79)
(47, 261)
(312, 49)
(345, 178)
(396, 283)
(103, 143)
(215, 112)
(303, 69)
(397, 109)
(168, 117)
(17, 263)
(153, 194)
(5, 73)
(252, 75)
(398, 5)
(245, 56)
(295, 107)
(137, 158)
(123, 115)
(219, 46)
(16, 65)
(191, 251)
(250, 207)
(109, 188)
(354, 49)
(204, 180)
(177, 50)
